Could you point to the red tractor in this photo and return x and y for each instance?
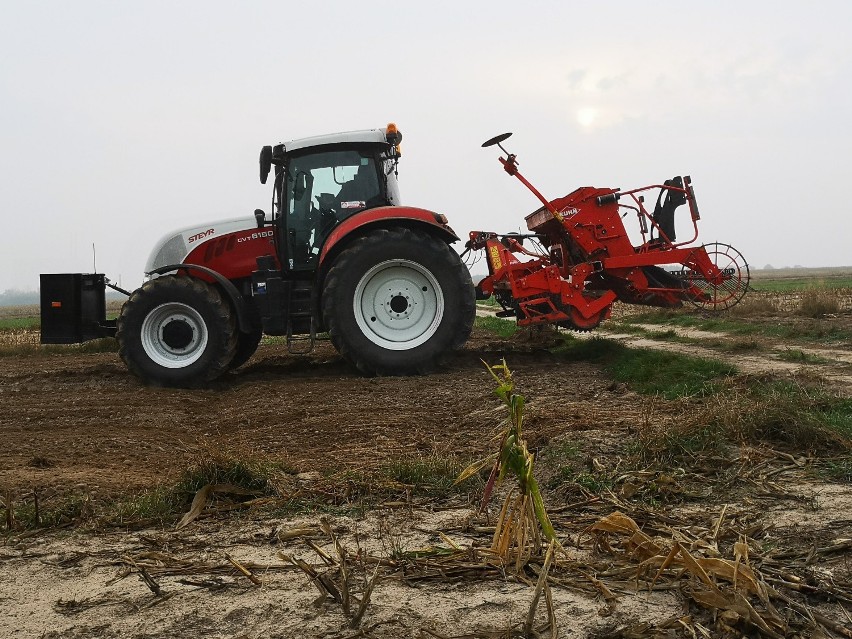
(340, 255)
(583, 259)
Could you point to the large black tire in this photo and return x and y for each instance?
(176, 331)
(246, 346)
(397, 302)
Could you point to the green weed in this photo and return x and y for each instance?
(309, 505)
(504, 328)
(669, 335)
(433, 475)
(793, 284)
(837, 469)
(167, 502)
(594, 483)
(565, 458)
(785, 412)
(674, 445)
(739, 345)
(491, 302)
(650, 372)
(819, 303)
(806, 330)
(570, 467)
(20, 323)
(28, 511)
(671, 375)
(561, 450)
(800, 356)
(281, 340)
(753, 304)
(594, 349)
(762, 410)
(159, 504)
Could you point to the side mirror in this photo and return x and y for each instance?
(265, 163)
(260, 216)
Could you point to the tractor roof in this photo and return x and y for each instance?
(367, 135)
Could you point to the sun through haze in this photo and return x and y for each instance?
(122, 122)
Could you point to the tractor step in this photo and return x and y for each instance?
(300, 309)
(292, 340)
(286, 307)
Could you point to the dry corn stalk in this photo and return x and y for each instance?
(618, 533)
(522, 514)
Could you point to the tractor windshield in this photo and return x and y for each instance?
(323, 189)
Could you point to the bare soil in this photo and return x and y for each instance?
(79, 420)
(80, 424)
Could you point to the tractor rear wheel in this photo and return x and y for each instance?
(397, 302)
(176, 331)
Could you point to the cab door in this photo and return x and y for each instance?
(321, 189)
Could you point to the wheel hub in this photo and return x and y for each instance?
(399, 305)
(177, 334)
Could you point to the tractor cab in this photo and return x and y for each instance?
(321, 181)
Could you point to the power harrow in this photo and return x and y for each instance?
(581, 259)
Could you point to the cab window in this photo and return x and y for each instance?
(322, 190)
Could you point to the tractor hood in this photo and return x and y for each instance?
(175, 246)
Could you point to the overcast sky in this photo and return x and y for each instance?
(122, 121)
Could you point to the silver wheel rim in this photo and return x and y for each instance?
(398, 305)
(174, 335)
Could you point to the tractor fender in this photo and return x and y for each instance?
(243, 321)
(402, 215)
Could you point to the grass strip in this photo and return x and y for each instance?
(805, 330)
(651, 372)
(498, 326)
(19, 323)
(763, 410)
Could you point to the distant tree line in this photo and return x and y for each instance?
(14, 297)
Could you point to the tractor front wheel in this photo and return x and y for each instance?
(397, 302)
(176, 331)
(247, 344)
